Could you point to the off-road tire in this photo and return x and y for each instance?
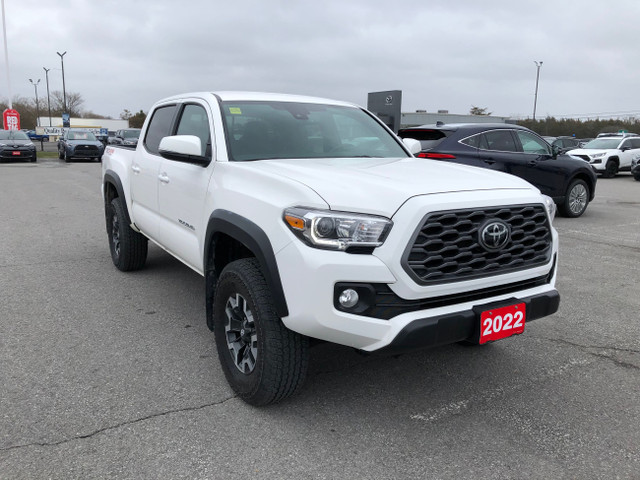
(576, 199)
(128, 247)
(272, 364)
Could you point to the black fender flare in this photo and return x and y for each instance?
(253, 238)
(112, 177)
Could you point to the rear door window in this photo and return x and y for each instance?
(159, 127)
(499, 140)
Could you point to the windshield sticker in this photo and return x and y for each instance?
(235, 111)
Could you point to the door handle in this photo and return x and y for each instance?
(489, 161)
(163, 177)
(135, 168)
(532, 163)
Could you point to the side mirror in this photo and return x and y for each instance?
(413, 145)
(625, 148)
(555, 150)
(183, 148)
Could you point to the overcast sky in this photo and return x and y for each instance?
(441, 54)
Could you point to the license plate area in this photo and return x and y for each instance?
(15, 153)
(502, 322)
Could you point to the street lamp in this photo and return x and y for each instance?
(46, 72)
(35, 85)
(535, 100)
(64, 92)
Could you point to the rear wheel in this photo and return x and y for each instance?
(128, 247)
(576, 199)
(263, 361)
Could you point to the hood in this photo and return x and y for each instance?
(589, 151)
(382, 185)
(11, 142)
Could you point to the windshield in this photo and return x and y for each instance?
(131, 133)
(606, 143)
(263, 130)
(13, 135)
(82, 136)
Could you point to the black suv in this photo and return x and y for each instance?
(512, 149)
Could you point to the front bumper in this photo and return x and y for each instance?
(434, 314)
(18, 154)
(463, 326)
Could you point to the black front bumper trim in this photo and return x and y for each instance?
(463, 326)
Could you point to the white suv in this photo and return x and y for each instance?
(609, 155)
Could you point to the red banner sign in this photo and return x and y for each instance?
(11, 119)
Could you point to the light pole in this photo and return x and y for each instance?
(46, 72)
(64, 92)
(35, 86)
(535, 99)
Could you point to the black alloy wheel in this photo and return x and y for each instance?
(128, 248)
(263, 361)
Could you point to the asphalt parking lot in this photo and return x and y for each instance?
(112, 375)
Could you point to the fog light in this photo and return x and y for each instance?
(349, 298)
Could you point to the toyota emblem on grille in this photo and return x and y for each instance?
(494, 235)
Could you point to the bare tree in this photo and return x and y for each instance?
(74, 104)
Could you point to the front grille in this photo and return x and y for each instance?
(23, 152)
(584, 157)
(90, 150)
(446, 248)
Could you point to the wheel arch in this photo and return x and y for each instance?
(112, 188)
(230, 237)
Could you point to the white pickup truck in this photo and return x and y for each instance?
(310, 220)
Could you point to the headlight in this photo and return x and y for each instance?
(550, 206)
(337, 230)
(598, 155)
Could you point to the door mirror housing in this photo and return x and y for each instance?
(413, 145)
(183, 148)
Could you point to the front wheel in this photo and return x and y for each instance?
(576, 199)
(128, 247)
(263, 361)
(610, 169)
